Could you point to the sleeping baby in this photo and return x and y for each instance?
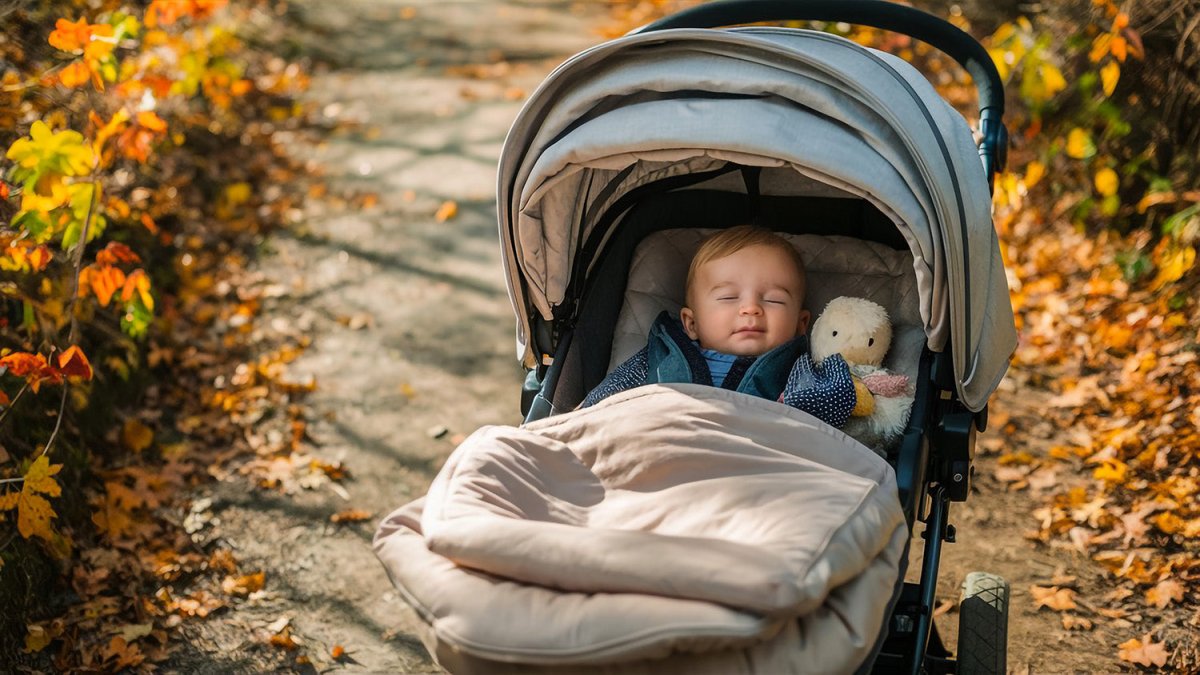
(744, 328)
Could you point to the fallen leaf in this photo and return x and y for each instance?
(134, 631)
(243, 585)
(1164, 593)
(136, 436)
(1144, 652)
(446, 211)
(1057, 599)
(350, 516)
(285, 639)
(1075, 622)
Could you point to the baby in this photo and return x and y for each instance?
(744, 327)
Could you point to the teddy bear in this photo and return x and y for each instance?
(861, 332)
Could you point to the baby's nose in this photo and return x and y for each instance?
(751, 307)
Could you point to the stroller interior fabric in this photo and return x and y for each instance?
(607, 537)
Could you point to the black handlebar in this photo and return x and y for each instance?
(889, 16)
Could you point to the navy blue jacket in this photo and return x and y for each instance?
(786, 373)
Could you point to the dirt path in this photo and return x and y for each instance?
(412, 337)
(410, 323)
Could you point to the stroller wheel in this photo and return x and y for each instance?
(983, 625)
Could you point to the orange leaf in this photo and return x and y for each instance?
(243, 585)
(105, 281)
(337, 651)
(1057, 599)
(116, 252)
(39, 258)
(1119, 48)
(149, 223)
(138, 282)
(74, 363)
(22, 364)
(75, 74)
(1143, 652)
(151, 121)
(1164, 593)
(446, 211)
(33, 367)
(69, 36)
(350, 516)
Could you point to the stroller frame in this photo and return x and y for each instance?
(934, 460)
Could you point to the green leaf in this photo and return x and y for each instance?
(1134, 265)
(28, 322)
(136, 319)
(1173, 226)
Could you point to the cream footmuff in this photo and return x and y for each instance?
(691, 529)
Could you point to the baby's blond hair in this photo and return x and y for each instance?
(730, 241)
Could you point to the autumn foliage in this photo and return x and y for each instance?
(122, 231)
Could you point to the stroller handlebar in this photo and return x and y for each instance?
(890, 16)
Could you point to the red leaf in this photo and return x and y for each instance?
(74, 363)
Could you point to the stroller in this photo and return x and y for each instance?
(618, 165)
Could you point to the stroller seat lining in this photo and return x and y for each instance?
(836, 266)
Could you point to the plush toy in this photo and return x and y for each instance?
(861, 332)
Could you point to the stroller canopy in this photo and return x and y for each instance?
(647, 107)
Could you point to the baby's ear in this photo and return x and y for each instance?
(689, 323)
(802, 324)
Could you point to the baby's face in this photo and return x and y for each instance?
(746, 303)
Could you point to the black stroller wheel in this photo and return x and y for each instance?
(983, 625)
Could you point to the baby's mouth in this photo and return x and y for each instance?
(748, 329)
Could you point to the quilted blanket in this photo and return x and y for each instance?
(670, 528)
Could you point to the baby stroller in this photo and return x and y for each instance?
(634, 149)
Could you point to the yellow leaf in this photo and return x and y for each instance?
(1169, 522)
(446, 211)
(1052, 80)
(1079, 144)
(1106, 181)
(1109, 74)
(34, 513)
(39, 477)
(1112, 470)
(999, 57)
(237, 194)
(36, 638)
(1172, 266)
(1033, 173)
(136, 436)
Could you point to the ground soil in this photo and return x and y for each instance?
(427, 354)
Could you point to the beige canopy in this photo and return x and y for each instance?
(646, 107)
